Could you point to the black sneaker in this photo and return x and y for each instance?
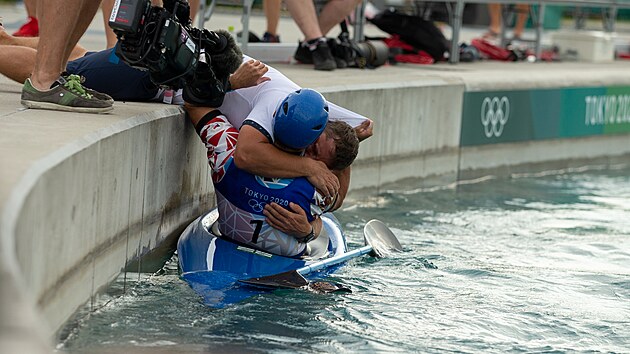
(337, 52)
(270, 38)
(316, 52)
(322, 58)
(303, 54)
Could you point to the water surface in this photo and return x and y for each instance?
(536, 263)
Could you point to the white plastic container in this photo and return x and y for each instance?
(592, 46)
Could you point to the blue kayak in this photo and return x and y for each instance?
(214, 266)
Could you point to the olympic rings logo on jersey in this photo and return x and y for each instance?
(256, 205)
(495, 113)
(274, 183)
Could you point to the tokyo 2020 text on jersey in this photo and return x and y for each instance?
(242, 196)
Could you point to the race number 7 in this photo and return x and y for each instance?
(259, 224)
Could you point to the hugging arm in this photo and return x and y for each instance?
(292, 222)
(255, 154)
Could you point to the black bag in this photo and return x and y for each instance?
(414, 30)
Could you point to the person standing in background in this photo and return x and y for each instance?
(496, 19)
(31, 27)
(272, 14)
(314, 49)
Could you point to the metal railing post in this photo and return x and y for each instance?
(204, 13)
(539, 29)
(457, 26)
(359, 22)
(247, 12)
(609, 18)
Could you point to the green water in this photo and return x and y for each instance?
(528, 264)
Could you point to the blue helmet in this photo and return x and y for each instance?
(300, 119)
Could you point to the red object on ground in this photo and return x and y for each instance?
(29, 29)
(492, 51)
(623, 55)
(419, 58)
(410, 54)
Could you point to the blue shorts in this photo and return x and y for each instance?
(106, 73)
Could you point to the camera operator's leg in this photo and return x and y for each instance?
(62, 23)
(16, 62)
(314, 49)
(194, 8)
(272, 14)
(88, 11)
(334, 12)
(106, 7)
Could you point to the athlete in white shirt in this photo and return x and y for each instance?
(251, 109)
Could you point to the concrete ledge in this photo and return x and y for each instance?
(79, 213)
(543, 155)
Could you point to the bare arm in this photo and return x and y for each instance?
(365, 129)
(293, 222)
(249, 74)
(196, 113)
(256, 155)
(344, 182)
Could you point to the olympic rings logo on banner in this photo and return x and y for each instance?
(495, 113)
(256, 205)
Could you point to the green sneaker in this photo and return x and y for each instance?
(99, 95)
(68, 95)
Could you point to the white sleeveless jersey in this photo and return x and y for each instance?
(258, 103)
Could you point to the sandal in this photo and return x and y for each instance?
(490, 34)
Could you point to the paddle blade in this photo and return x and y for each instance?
(381, 238)
(327, 287)
(287, 280)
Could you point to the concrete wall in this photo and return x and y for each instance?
(417, 125)
(80, 213)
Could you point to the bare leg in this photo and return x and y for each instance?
(32, 42)
(272, 14)
(57, 22)
(88, 10)
(106, 7)
(31, 7)
(522, 12)
(194, 8)
(334, 12)
(16, 63)
(7, 39)
(494, 10)
(62, 22)
(303, 13)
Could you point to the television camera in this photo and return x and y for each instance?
(177, 55)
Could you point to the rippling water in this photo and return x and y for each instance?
(528, 264)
